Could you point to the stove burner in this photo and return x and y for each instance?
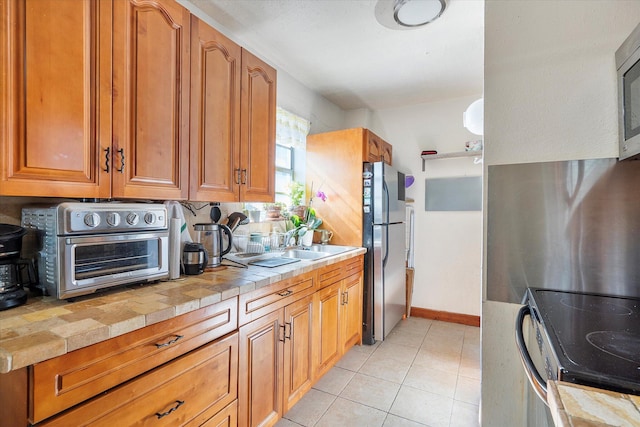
(601, 307)
(622, 344)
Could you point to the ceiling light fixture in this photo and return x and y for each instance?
(408, 14)
(415, 13)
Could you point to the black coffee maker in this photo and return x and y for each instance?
(12, 267)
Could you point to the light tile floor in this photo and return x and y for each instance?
(426, 373)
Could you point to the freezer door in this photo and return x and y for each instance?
(389, 277)
(388, 194)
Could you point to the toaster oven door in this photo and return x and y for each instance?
(94, 262)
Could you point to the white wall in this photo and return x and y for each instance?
(448, 245)
(550, 94)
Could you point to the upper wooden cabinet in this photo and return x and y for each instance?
(95, 98)
(257, 130)
(56, 97)
(150, 99)
(335, 160)
(376, 149)
(215, 115)
(99, 99)
(233, 107)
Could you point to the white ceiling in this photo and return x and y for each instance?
(338, 49)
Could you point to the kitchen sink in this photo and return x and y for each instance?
(316, 251)
(303, 254)
(331, 249)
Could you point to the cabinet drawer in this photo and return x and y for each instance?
(338, 271)
(228, 417)
(64, 381)
(189, 388)
(263, 301)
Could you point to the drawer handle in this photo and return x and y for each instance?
(285, 293)
(173, 341)
(179, 403)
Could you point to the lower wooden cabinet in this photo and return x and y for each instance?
(183, 391)
(298, 366)
(288, 348)
(275, 363)
(351, 321)
(337, 322)
(200, 369)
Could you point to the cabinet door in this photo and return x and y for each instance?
(56, 97)
(373, 146)
(327, 340)
(258, 130)
(387, 153)
(150, 99)
(352, 312)
(215, 115)
(259, 383)
(298, 375)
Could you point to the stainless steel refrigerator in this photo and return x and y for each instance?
(383, 202)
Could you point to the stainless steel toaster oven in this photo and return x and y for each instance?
(83, 247)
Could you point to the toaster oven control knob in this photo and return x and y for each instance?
(133, 218)
(149, 217)
(113, 219)
(92, 220)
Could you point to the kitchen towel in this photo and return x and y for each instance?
(178, 236)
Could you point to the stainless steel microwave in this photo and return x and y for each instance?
(628, 66)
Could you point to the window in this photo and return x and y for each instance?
(284, 172)
(291, 138)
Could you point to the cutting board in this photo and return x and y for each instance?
(273, 262)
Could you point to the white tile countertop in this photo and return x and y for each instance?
(45, 327)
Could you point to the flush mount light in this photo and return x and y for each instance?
(415, 13)
(408, 14)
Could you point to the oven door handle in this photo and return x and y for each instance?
(537, 382)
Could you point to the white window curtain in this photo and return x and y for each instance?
(291, 130)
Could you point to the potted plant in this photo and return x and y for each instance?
(274, 210)
(296, 194)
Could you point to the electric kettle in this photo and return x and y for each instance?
(194, 258)
(211, 238)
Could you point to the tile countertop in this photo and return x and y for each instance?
(45, 327)
(575, 405)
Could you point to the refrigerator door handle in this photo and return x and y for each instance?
(385, 190)
(385, 246)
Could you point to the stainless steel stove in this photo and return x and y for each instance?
(585, 338)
